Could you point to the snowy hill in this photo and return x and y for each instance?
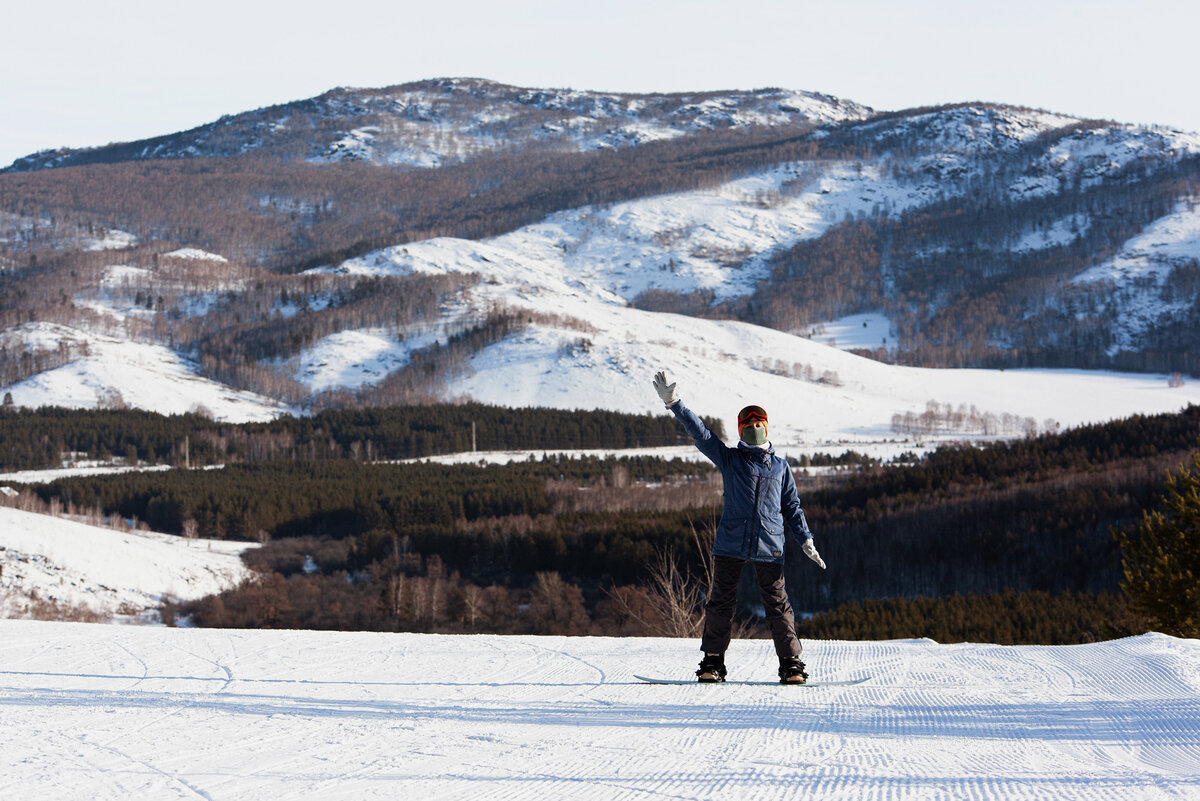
(591, 349)
(1142, 273)
(722, 366)
(111, 573)
(112, 713)
(116, 373)
(730, 236)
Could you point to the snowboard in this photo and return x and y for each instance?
(847, 683)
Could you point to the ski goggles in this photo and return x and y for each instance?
(751, 414)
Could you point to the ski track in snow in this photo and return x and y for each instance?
(113, 712)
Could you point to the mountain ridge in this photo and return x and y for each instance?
(416, 109)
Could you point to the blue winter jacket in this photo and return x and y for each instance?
(760, 494)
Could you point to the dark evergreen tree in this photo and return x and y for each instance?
(1161, 559)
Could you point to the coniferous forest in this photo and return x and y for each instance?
(31, 439)
(970, 542)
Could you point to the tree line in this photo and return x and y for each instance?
(1004, 618)
(31, 439)
(439, 601)
(1034, 515)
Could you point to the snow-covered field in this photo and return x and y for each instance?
(80, 468)
(111, 573)
(102, 712)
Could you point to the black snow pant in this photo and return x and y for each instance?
(722, 599)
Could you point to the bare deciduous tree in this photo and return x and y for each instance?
(676, 593)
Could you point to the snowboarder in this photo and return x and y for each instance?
(759, 495)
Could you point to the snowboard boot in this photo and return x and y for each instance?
(712, 669)
(791, 670)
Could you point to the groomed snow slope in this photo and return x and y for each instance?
(99, 712)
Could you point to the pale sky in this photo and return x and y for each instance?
(79, 73)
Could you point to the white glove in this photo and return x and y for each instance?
(810, 551)
(665, 391)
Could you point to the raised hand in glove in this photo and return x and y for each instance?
(810, 551)
(665, 391)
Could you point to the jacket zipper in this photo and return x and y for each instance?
(750, 541)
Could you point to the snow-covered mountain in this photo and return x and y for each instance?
(112, 713)
(717, 240)
(976, 235)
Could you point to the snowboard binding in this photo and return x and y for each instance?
(712, 669)
(791, 670)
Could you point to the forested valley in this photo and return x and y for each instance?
(967, 542)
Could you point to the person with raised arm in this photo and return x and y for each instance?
(760, 502)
